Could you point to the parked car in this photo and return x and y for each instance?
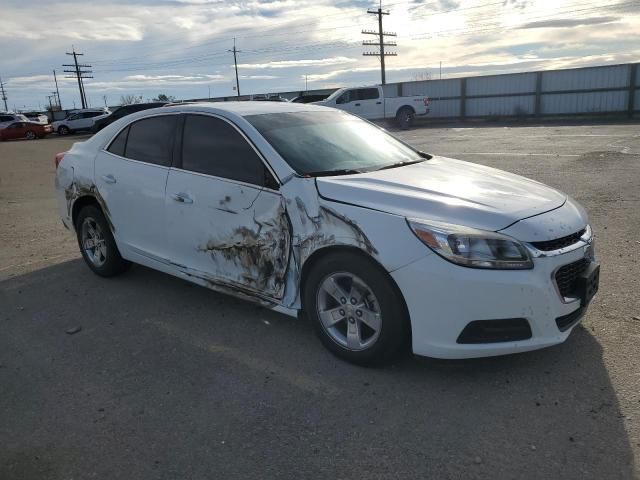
(302, 208)
(7, 119)
(370, 103)
(80, 120)
(121, 112)
(263, 97)
(37, 117)
(28, 130)
(315, 97)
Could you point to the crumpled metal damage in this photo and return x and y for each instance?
(259, 254)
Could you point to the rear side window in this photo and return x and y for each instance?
(214, 147)
(368, 94)
(119, 143)
(151, 140)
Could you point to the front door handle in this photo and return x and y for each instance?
(357, 104)
(378, 103)
(109, 179)
(182, 197)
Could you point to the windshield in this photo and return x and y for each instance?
(313, 143)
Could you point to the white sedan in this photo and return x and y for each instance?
(302, 208)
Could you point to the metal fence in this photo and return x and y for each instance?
(610, 90)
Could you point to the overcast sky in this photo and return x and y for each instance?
(180, 48)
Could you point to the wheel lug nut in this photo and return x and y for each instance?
(343, 300)
(342, 312)
(353, 301)
(359, 313)
(352, 320)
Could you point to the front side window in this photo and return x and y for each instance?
(75, 116)
(344, 98)
(326, 143)
(213, 147)
(150, 140)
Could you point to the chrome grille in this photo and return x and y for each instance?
(558, 243)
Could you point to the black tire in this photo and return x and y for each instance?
(404, 118)
(63, 130)
(395, 326)
(113, 263)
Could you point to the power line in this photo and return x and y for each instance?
(381, 41)
(235, 61)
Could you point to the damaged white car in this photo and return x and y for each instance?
(308, 209)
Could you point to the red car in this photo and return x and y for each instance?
(28, 130)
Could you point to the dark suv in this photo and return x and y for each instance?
(122, 112)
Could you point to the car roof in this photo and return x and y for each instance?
(249, 108)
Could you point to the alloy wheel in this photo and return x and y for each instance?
(93, 242)
(348, 310)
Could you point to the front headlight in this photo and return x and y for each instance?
(471, 247)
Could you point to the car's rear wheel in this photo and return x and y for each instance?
(356, 309)
(63, 130)
(97, 244)
(404, 118)
(30, 135)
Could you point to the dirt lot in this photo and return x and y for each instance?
(167, 380)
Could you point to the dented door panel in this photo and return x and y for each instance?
(233, 233)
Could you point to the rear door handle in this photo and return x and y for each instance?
(182, 197)
(109, 179)
(378, 103)
(357, 104)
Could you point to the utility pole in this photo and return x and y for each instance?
(380, 43)
(4, 95)
(57, 91)
(306, 82)
(235, 61)
(78, 74)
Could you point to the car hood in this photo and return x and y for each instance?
(446, 190)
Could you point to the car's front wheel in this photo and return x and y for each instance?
(31, 135)
(356, 309)
(63, 130)
(97, 244)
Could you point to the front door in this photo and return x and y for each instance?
(131, 177)
(226, 220)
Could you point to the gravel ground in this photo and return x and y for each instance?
(167, 380)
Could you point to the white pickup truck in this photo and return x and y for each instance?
(370, 103)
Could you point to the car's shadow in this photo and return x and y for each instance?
(166, 379)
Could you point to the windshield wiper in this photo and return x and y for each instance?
(329, 173)
(402, 164)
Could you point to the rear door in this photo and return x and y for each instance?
(131, 176)
(369, 103)
(15, 130)
(226, 219)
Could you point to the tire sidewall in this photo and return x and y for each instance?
(114, 263)
(395, 326)
(404, 118)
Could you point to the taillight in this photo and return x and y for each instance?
(58, 158)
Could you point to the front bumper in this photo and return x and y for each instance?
(443, 298)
